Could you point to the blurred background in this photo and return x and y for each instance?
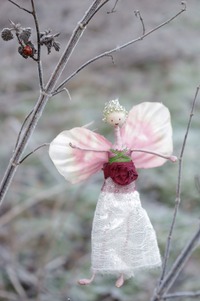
(45, 222)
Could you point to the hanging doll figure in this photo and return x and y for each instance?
(123, 239)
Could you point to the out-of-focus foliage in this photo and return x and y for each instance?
(46, 243)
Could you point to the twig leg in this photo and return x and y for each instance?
(120, 281)
(86, 281)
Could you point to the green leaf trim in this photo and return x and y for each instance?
(120, 156)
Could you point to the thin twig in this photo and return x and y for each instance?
(178, 189)
(177, 267)
(38, 60)
(109, 52)
(112, 59)
(18, 39)
(113, 9)
(40, 70)
(96, 10)
(138, 14)
(21, 129)
(33, 144)
(68, 93)
(182, 295)
(76, 35)
(20, 7)
(32, 152)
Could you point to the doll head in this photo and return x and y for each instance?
(114, 113)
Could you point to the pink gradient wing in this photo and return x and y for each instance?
(148, 127)
(74, 164)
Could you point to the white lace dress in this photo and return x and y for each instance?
(123, 239)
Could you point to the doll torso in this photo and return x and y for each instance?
(119, 172)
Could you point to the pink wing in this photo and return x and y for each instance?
(74, 164)
(148, 127)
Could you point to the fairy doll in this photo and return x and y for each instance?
(123, 239)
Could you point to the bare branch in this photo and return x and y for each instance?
(109, 52)
(40, 72)
(20, 7)
(112, 58)
(23, 124)
(38, 60)
(96, 10)
(113, 9)
(178, 188)
(76, 35)
(32, 152)
(68, 93)
(177, 267)
(182, 295)
(138, 14)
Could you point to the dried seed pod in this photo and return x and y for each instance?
(27, 51)
(25, 34)
(48, 45)
(48, 39)
(16, 27)
(56, 46)
(6, 34)
(21, 52)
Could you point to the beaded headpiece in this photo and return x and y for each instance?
(113, 106)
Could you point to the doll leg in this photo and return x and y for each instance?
(120, 281)
(86, 281)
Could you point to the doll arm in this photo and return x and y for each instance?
(89, 150)
(170, 158)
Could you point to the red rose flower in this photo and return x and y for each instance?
(122, 173)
